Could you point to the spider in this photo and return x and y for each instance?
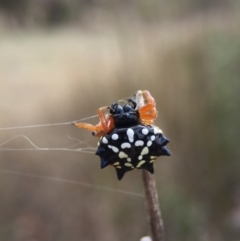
(128, 138)
(135, 112)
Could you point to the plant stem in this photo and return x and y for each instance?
(153, 209)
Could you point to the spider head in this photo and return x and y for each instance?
(116, 109)
(124, 115)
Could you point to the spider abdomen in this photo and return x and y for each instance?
(132, 147)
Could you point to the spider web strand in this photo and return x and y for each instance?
(37, 148)
(84, 184)
(46, 125)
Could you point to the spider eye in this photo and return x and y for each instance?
(116, 109)
(127, 108)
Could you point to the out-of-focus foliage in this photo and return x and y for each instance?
(186, 53)
(48, 12)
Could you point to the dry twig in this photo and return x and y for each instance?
(153, 209)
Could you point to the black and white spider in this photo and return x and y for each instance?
(128, 138)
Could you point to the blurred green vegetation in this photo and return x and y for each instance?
(187, 54)
(49, 12)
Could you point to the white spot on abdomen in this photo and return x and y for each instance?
(140, 163)
(115, 136)
(153, 138)
(153, 157)
(149, 143)
(104, 140)
(122, 154)
(125, 145)
(145, 131)
(145, 151)
(128, 164)
(114, 148)
(130, 134)
(139, 143)
(156, 130)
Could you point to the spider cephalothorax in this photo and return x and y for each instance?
(128, 138)
(139, 110)
(125, 115)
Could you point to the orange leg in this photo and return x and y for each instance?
(148, 112)
(150, 102)
(105, 125)
(106, 120)
(147, 122)
(90, 127)
(150, 115)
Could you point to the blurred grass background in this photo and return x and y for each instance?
(61, 60)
